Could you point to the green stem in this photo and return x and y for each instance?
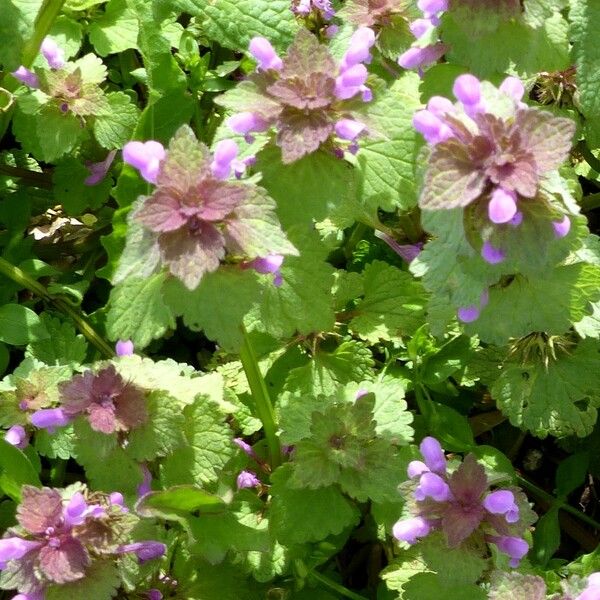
(41, 180)
(589, 157)
(49, 10)
(590, 202)
(24, 280)
(552, 500)
(336, 587)
(262, 401)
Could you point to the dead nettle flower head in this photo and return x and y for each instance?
(198, 215)
(425, 50)
(58, 538)
(305, 94)
(106, 399)
(321, 8)
(460, 504)
(490, 147)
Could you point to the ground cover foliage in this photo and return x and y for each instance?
(299, 299)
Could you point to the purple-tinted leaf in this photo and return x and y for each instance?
(371, 12)
(459, 522)
(131, 409)
(547, 137)
(64, 562)
(191, 254)
(39, 509)
(314, 91)
(220, 198)
(300, 133)
(469, 481)
(161, 212)
(307, 56)
(76, 394)
(451, 179)
(102, 418)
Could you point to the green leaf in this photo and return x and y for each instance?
(137, 310)
(15, 471)
(560, 399)
(70, 190)
(114, 125)
(100, 583)
(218, 305)
(116, 30)
(63, 346)
(549, 302)
(303, 303)
(327, 183)
(571, 473)
(209, 446)
(511, 44)
(43, 129)
(584, 13)
(300, 516)
(508, 586)
(163, 432)
(59, 444)
(185, 498)
(19, 325)
(428, 586)
(16, 27)
(387, 156)
(234, 23)
(546, 537)
(393, 304)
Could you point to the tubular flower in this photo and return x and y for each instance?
(460, 504)
(304, 98)
(322, 8)
(491, 152)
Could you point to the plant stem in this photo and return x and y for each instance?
(262, 401)
(44, 20)
(336, 587)
(587, 154)
(24, 280)
(552, 500)
(41, 180)
(590, 202)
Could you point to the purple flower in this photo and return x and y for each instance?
(409, 530)
(503, 206)
(467, 89)
(513, 87)
(491, 254)
(351, 81)
(54, 55)
(264, 54)
(419, 27)
(431, 127)
(305, 7)
(432, 486)
(247, 448)
(432, 7)
(15, 548)
(124, 348)
(99, 170)
(154, 594)
(30, 596)
(515, 547)
(433, 454)
(562, 228)
(146, 486)
(417, 58)
(17, 436)
(416, 468)
(245, 123)
(468, 314)
(116, 499)
(145, 551)
(247, 479)
(359, 50)
(224, 155)
(78, 510)
(27, 77)
(502, 502)
(145, 157)
(407, 252)
(267, 265)
(348, 129)
(49, 418)
(592, 590)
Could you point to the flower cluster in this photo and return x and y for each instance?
(323, 8)
(461, 505)
(61, 535)
(196, 215)
(108, 402)
(305, 95)
(490, 148)
(425, 50)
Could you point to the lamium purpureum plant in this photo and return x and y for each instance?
(261, 262)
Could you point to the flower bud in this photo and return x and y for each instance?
(225, 153)
(52, 53)
(416, 468)
(348, 129)
(49, 418)
(432, 486)
(513, 87)
(562, 228)
(27, 77)
(468, 314)
(408, 530)
(17, 436)
(502, 502)
(467, 89)
(247, 479)
(503, 206)
(491, 254)
(433, 454)
(124, 348)
(264, 53)
(417, 58)
(359, 48)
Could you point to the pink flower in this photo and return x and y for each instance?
(247, 479)
(145, 157)
(410, 530)
(264, 54)
(99, 170)
(17, 436)
(124, 348)
(27, 77)
(54, 55)
(145, 551)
